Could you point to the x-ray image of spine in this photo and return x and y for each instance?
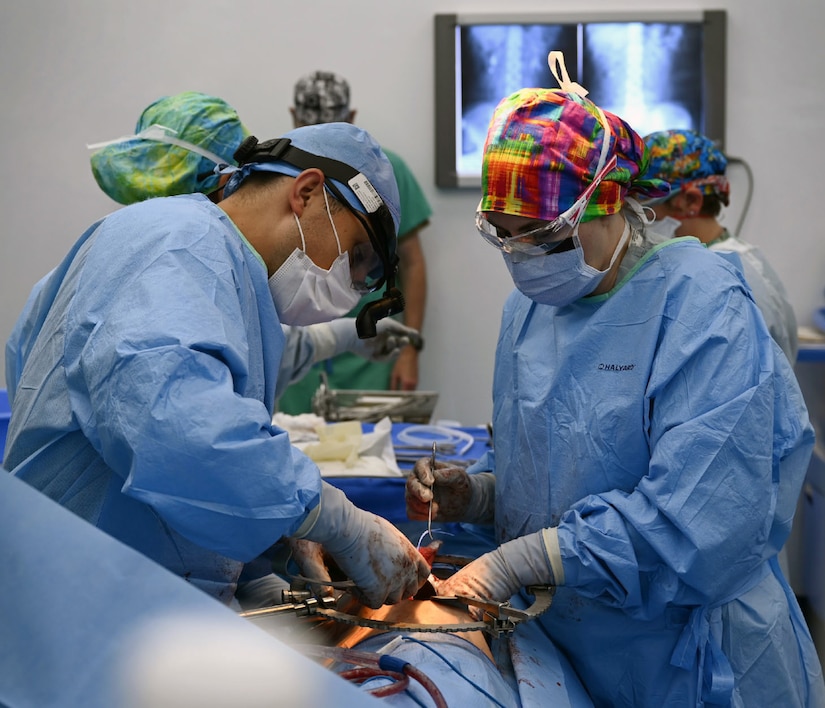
(646, 73)
(497, 60)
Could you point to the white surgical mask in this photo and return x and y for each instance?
(560, 278)
(305, 293)
(665, 227)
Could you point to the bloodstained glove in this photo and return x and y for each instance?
(310, 559)
(370, 551)
(456, 495)
(499, 574)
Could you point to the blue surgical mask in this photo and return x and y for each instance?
(560, 278)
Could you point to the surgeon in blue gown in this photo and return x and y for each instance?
(695, 169)
(143, 370)
(183, 144)
(650, 440)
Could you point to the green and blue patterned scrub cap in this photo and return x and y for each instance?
(179, 142)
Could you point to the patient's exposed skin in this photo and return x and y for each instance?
(332, 632)
(410, 611)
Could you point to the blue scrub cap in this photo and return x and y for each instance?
(345, 143)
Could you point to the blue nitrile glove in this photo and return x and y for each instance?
(338, 336)
(375, 555)
(456, 495)
(499, 574)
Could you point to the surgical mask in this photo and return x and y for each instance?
(560, 278)
(665, 227)
(305, 293)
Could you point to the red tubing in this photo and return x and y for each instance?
(428, 685)
(400, 681)
(365, 658)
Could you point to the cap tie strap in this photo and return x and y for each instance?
(555, 61)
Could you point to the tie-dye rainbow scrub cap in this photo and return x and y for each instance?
(685, 158)
(178, 141)
(542, 151)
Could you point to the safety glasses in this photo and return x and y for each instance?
(556, 235)
(365, 267)
(368, 264)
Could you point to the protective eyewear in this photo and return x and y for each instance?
(371, 264)
(365, 267)
(554, 236)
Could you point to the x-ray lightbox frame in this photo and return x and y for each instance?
(448, 72)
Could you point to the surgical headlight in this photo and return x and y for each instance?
(370, 270)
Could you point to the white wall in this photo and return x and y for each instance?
(79, 72)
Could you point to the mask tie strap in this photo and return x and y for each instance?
(300, 231)
(555, 60)
(161, 134)
(605, 140)
(331, 222)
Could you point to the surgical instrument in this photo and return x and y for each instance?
(430, 508)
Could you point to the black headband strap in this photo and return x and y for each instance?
(282, 150)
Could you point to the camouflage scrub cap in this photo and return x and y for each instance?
(321, 97)
(142, 166)
(685, 158)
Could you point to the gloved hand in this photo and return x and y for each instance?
(310, 559)
(456, 495)
(499, 574)
(261, 592)
(375, 555)
(332, 338)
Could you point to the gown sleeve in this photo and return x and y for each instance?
(729, 442)
(167, 379)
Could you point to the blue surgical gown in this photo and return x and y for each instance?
(662, 431)
(143, 374)
(768, 292)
